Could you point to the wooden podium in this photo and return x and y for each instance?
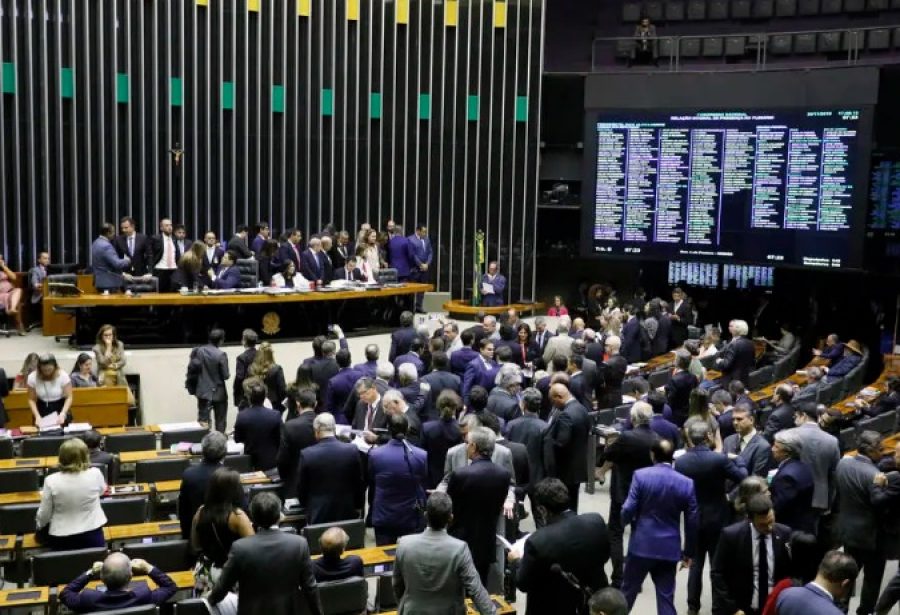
(101, 407)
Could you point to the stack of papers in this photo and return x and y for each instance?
(77, 427)
(169, 427)
(51, 421)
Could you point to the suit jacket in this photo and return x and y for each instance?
(631, 340)
(680, 326)
(228, 278)
(434, 573)
(322, 370)
(581, 390)
(457, 458)
(216, 260)
(211, 365)
(81, 600)
(296, 435)
(338, 390)
(107, 265)
(287, 254)
(419, 251)
(710, 472)
(566, 442)
(656, 501)
(340, 273)
(439, 381)
(331, 482)
(398, 255)
(339, 255)
(757, 455)
(662, 341)
(806, 600)
(732, 566)
(479, 373)
(628, 453)
(678, 395)
(611, 373)
(258, 243)
(460, 359)
(857, 517)
(843, 367)
(438, 437)
(366, 369)
(241, 371)
(542, 340)
(157, 247)
(193, 492)
(665, 429)
(275, 573)
(141, 256)
(792, 494)
(401, 339)
(736, 360)
(781, 418)
(503, 404)
(478, 492)
(579, 544)
(310, 266)
(410, 357)
(398, 471)
(498, 297)
(337, 569)
(520, 463)
(529, 431)
(557, 345)
(238, 245)
(821, 453)
(260, 430)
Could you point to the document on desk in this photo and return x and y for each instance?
(167, 427)
(518, 546)
(51, 421)
(487, 289)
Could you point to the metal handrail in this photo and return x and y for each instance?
(853, 48)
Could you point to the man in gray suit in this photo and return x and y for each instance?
(821, 453)
(747, 443)
(206, 376)
(272, 569)
(858, 519)
(433, 572)
(561, 344)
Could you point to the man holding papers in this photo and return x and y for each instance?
(493, 286)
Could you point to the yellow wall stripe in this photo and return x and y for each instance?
(253, 6)
(500, 13)
(303, 8)
(451, 13)
(202, 2)
(402, 11)
(353, 10)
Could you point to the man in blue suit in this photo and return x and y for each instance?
(658, 497)
(461, 357)
(115, 573)
(497, 295)
(105, 262)
(340, 386)
(413, 356)
(310, 266)
(709, 471)
(398, 254)
(482, 370)
(228, 276)
(420, 255)
(793, 486)
(631, 336)
(402, 338)
(852, 357)
(835, 579)
(290, 250)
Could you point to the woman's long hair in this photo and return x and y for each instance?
(264, 361)
(223, 491)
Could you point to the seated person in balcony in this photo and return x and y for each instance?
(331, 566)
(833, 351)
(852, 357)
(886, 403)
(115, 572)
(228, 276)
(646, 45)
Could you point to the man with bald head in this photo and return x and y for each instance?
(566, 441)
(115, 572)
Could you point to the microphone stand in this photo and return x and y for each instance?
(572, 580)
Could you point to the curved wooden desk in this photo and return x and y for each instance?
(460, 309)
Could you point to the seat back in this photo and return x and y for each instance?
(344, 597)
(759, 378)
(18, 518)
(42, 446)
(847, 439)
(160, 469)
(386, 276)
(884, 423)
(255, 490)
(192, 606)
(6, 448)
(238, 463)
(132, 441)
(187, 435)
(59, 567)
(385, 598)
(708, 362)
(249, 269)
(12, 481)
(659, 378)
(781, 369)
(140, 286)
(622, 411)
(167, 555)
(122, 511)
(355, 528)
(606, 417)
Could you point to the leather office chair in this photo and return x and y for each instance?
(659, 378)
(238, 463)
(355, 528)
(344, 597)
(18, 519)
(187, 435)
(60, 567)
(152, 471)
(124, 511)
(133, 441)
(12, 481)
(884, 424)
(42, 446)
(4, 324)
(192, 606)
(385, 598)
(847, 439)
(6, 448)
(167, 555)
(622, 411)
(249, 269)
(140, 287)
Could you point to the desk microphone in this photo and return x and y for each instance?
(572, 580)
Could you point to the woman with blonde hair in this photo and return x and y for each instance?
(266, 369)
(372, 252)
(109, 353)
(28, 366)
(49, 390)
(70, 509)
(189, 273)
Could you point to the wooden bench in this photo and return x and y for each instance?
(458, 308)
(99, 406)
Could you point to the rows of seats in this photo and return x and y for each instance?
(674, 11)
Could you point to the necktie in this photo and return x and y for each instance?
(369, 413)
(763, 572)
(349, 275)
(553, 416)
(131, 246)
(170, 253)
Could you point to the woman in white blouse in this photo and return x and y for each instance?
(49, 390)
(70, 501)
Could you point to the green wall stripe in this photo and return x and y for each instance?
(375, 105)
(521, 108)
(123, 93)
(8, 78)
(66, 82)
(327, 101)
(278, 99)
(176, 91)
(473, 108)
(228, 95)
(424, 106)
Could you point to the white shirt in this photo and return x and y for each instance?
(826, 592)
(70, 502)
(168, 244)
(49, 390)
(770, 558)
(745, 440)
(454, 345)
(210, 253)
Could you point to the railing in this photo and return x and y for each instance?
(842, 45)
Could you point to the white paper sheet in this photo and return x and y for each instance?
(51, 421)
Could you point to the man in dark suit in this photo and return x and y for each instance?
(326, 367)
(135, 245)
(528, 430)
(242, 365)
(310, 266)
(738, 357)
(342, 251)
(340, 385)
(331, 566)
(541, 334)
(118, 593)
(631, 335)
(413, 355)
(238, 243)
(165, 255)
(658, 499)
(478, 491)
(723, 403)
(420, 255)
(325, 259)
(628, 452)
(296, 434)
(659, 424)
(682, 316)
(503, 400)
(461, 357)
(330, 486)
(566, 441)
(179, 232)
(259, 429)
(857, 525)
(207, 373)
(792, 486)
(273, 568)
(228, 275)
(369, 414)
(440, 379)
(747, 443)
(263, 232)
(611, 373)
(398, 254)
(196, 477)
(481, 371)
(568, 543)
(833, 583)
(370, 366)
(349, 272)
(710, 471)
(783, 415)
(290, 251)
(751, 558)
(212, 257)
(678, 389)
(440, 435)
(402, 338)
